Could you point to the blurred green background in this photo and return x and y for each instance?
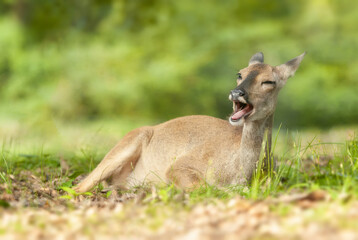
(134, 62)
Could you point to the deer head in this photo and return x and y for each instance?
(258, 85)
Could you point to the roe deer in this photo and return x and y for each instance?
(194, 149)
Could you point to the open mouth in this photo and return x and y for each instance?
(241, 110)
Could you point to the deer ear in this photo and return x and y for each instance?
(257, 58)
(289, 68)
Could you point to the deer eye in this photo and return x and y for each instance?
(269, 82)
(239, 76)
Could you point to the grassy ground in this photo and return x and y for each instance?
(312, 193)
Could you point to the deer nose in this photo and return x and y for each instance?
(237, 93)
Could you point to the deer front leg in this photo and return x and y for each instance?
(184, 174)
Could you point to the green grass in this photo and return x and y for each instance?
(300, 168)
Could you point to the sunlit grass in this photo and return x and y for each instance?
(301, 167)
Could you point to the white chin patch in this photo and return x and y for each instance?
(237, 123)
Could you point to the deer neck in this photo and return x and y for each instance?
(250, 148)
(251, 140)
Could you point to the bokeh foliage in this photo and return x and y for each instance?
(159, 59)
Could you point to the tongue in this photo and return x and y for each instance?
(241, 113)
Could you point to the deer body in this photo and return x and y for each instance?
(194, 149)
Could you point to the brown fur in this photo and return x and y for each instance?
(195, 149)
